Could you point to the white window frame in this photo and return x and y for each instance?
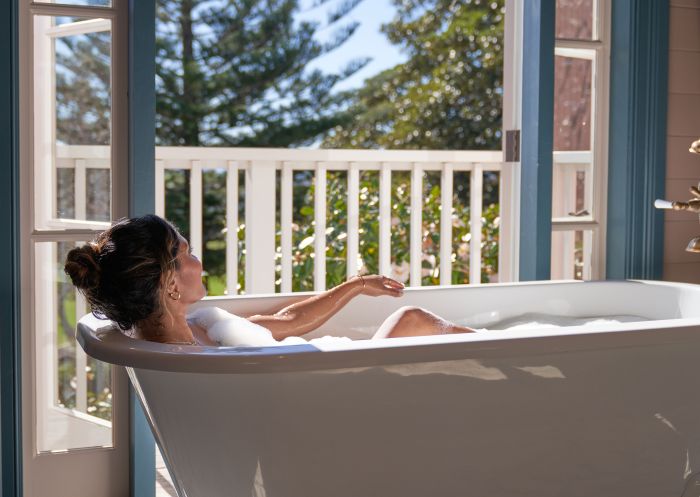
(598, 51)
(38, 228)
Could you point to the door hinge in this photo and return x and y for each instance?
(512, 145)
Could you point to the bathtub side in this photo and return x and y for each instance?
(614, 418)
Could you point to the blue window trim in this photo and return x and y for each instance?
(637, 155)
(537, 140)
(10, 386)
(142, 125)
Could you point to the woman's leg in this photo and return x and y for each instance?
(414, 321)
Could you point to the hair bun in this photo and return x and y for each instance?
(82, 267)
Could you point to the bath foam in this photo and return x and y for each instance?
(231, 330)
(538, 321)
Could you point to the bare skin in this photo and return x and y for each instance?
(184, 288)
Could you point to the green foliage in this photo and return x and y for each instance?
(447, 95)
(233, 73)
(336, 232)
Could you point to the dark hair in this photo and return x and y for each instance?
(122, 271)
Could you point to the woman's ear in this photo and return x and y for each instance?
(170, 284)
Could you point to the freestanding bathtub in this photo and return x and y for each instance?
(597, 410)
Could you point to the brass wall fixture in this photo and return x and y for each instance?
(692, 205)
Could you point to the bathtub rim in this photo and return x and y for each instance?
(103, 341)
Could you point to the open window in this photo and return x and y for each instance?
(72, 96)
(581, 82)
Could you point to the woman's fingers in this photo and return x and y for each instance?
(391, 283)
(377, 285)
(389, 286)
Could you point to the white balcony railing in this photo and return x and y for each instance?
(261, 165)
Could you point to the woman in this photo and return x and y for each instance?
(141, 274)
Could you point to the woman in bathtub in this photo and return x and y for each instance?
(141, 274)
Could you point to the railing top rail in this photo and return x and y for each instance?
(329, 155)
(333, 159)
(293, 155)
(82, 152)
(573, 156)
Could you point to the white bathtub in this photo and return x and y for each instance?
(609, 410)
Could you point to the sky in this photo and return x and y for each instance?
(367, 41)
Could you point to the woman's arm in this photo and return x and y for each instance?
(307, 315)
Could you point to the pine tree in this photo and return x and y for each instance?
(233, 73)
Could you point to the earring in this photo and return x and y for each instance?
(174, 295)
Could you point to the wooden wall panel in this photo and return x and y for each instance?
(682, 167)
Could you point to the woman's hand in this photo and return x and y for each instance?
(375, 285)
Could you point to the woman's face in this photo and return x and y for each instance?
(188, 276)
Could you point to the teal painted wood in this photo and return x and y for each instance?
(637, 156)
(10, 385)
(537, 140)
(142, 448)
(142, 107)
(142, 126)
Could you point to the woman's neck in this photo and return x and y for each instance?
(170, 327)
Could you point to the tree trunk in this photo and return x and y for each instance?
(190, 116)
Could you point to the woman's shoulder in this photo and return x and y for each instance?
(229, 329)
(206, 317)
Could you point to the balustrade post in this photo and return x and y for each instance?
(80, 182)
(286, 219)
(320, 228)
(260, 227)
(196, 236)
(385, 219)
(353, 218)
(475, 208)
(232, 228)
(160, 188)
(416, 237)
(446, 194)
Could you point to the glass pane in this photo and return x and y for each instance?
(571, 190)
(91, 3)
(72, 121)
(574, 19)
(74, 392)
(572, 103)
(571, 255)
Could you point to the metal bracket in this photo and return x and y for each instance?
(512, 145)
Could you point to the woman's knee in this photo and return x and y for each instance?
(408, 311)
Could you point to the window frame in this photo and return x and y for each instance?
(32, 234)
(598, 51)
